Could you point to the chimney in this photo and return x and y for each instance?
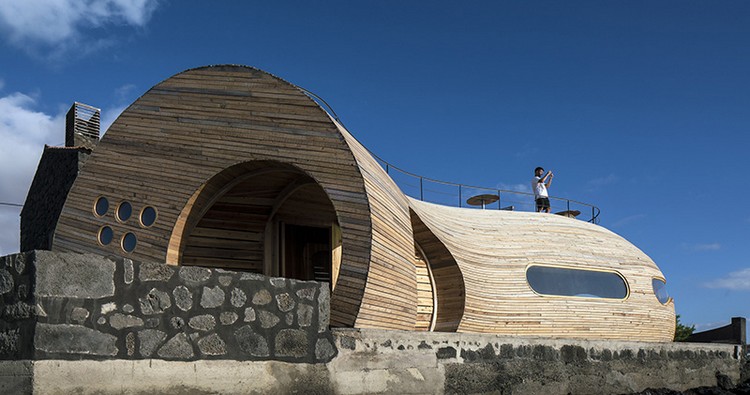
(82, 126)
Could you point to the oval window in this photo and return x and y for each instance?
(559, 281)
(124, 211)
(148, 216)
(105, 235)
(660, 290)
(128, 242)
(101, 206)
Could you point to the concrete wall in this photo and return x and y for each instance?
(396, 362)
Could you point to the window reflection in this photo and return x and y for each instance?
(558, 281)
(660, 290)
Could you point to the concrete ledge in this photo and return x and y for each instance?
(400, 362)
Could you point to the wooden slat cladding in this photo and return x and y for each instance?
(165, 147)
(449, 284)
(390, 298)
(493, 249)
(425, 294)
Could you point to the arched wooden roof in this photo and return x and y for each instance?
(195, 139)
(187, 129)
(493, 249)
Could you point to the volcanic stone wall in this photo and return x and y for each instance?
(80, 306)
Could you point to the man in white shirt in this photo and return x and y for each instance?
(539, 185)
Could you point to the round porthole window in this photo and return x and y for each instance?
(105, 235)
(148, 216)
(101, 206)
(128, 242)
(124, 211)
(660, 290)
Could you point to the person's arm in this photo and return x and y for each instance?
(547, 179)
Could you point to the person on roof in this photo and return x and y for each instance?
(539, 185)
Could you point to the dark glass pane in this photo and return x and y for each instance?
(576, 282)
(660, 290)
(128, 242)
(124, 210)
(105, 235)
(101, 206)
(148, 216)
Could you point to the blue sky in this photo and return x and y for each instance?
(640, 107)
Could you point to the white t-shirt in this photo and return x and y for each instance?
(540, 190)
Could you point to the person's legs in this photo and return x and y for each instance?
(539, 205)
(545, 204)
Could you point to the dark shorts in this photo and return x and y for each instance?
(542, 203)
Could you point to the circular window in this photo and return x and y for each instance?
(105, 235)
(148, 216)
(660, 290)
(101, 206)
(128, 242)
(124, 210)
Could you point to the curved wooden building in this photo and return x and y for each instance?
(229, 166)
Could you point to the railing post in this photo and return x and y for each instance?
(421, 190)
(568, 205)
(460, 198)
(387, 168)
(593, 218)
(498, 200)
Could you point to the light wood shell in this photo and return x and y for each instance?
(194, 146)
(493, 249)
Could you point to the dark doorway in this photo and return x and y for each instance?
(306, 253)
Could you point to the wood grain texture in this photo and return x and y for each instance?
(219, 151)
(493, 249)
(165, 148)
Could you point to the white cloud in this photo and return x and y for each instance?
(58, 25)
(702, 246)
(23, 132)
(628, 220)
(600, 182)
(109, 116)
(735, 281)
(525, 188)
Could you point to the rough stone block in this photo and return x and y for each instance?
(149, 340)
(120, 321)
(212, 297)
(285, 302)
(250, 342)
(205, 322)
(212, 345)
(262, 297)
(178, 347)
(155, 302)
(291, 343)
(6, 282)
(151, 271)
(238, 298)
(228, 317)
(306, 293)
(324, 350)
(268, 319)
(194, 276)
(183, 298)
(73, 339)
(304, 315)
(83, 276)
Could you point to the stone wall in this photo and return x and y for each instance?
(77, 306)
(85, 324)
(55, 174)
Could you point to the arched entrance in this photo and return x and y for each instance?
(264, 217)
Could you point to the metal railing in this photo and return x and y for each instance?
(457, 195)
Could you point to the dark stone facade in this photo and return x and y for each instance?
(78, 306)
(57, 170)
